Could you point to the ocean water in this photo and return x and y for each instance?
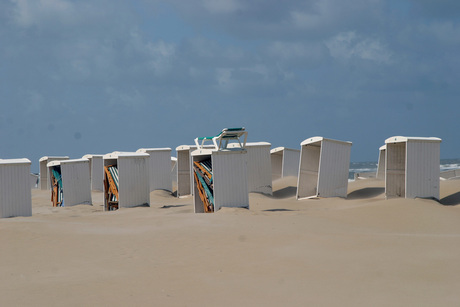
(362, 167)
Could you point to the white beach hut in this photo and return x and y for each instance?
(71, 182)
(259, 166)
(225, 183)
(285, 162)
(126, 180)
(44, 181)
(412, 167)
(323, 168)
(96, 167)
(159, 167)
(381, 164)
(15, 192)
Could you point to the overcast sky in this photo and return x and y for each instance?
(94, 76)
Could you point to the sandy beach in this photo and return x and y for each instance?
(360, 251)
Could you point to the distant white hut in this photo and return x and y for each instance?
(184, 169)
(15, 192)
(96, 166)
(226, 183)
(44, 182)
(450, 174)
(323, 169)
(285, 162)
(160, 168)
(126, 180)
(381, 164)
(71, 182)
(412, 167)
(259, 166)
(34, 180)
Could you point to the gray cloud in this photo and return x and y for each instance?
(124, 75)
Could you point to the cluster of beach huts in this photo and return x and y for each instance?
(220, 174)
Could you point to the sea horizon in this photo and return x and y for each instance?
(371, 166)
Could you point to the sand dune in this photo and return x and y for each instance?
(360, 251)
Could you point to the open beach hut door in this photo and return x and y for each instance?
(412, 167)
(323, 168)
(285, 162)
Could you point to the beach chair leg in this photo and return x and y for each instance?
(214, 140)
(54, 195)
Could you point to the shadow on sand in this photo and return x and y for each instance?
(278, 210)
(451, 200)
(366, 193)
(285, 192)
(171, 206)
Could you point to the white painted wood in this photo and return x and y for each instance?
(285, 162)
(76, 181)
(133, 172)
(15, 191)
(184, 169)
(159, 168)
(174, 170)
(381, 164)
(96, 165)
(229, 178)
(259, 167)
(412, 167)
(323, 168)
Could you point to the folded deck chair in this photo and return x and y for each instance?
(111, 187)
(203, 179)
(204, 192)
(223, 137)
